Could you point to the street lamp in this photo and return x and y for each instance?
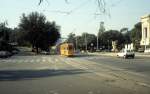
(97, 42)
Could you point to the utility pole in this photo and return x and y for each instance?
(101, 30)
(97, 41)
(98, 38)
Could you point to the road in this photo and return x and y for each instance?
(84, 74)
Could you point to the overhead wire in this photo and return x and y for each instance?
(70, 11)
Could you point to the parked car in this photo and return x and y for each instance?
(126, 53)
(5, 54)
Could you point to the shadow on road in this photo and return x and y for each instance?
(13, 75)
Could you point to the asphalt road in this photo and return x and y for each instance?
(75, 75)
(138, 64)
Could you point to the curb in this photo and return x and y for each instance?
(115, 54)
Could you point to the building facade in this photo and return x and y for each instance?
(145, 40)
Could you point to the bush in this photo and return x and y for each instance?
(4, 46)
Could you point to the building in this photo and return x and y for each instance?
(145, 40)
(129, 46)
(114, 46)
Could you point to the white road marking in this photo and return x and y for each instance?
(31, 61)
(37, 60)
(143, 84)
(43, 60)
(90, 92)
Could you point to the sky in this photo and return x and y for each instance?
(77, 16)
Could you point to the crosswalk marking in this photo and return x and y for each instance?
(41, 60)
(38, 60)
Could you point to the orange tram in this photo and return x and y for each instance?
(67, 49)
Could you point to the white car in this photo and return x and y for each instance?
(126, 53)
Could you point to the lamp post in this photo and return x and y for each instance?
(100, 31)
(97, 42)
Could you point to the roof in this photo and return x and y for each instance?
(145, 16)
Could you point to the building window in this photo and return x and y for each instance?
(145, 30)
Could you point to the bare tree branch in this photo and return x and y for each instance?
(40, 2)
(100, 3)
(66, 1)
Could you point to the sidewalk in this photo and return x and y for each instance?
(142, 54)
(113, 54)
(104, 54)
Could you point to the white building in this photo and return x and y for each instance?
(129, 46)
(145, 41)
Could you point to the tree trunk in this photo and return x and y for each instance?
(32, 48)
(37, 50)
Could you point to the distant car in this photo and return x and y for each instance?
(5, 54)
(126, 53)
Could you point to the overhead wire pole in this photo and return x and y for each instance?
(98, 36)
(97, 41)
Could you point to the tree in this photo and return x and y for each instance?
(72, 38)
(124, 30)
(90, 38)
(127, 38)
(136, 35)
(41, 33)
(126, 35)
(4, 32)
(81, 40)
(4, 37)
(111, 35)
(19, 36)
